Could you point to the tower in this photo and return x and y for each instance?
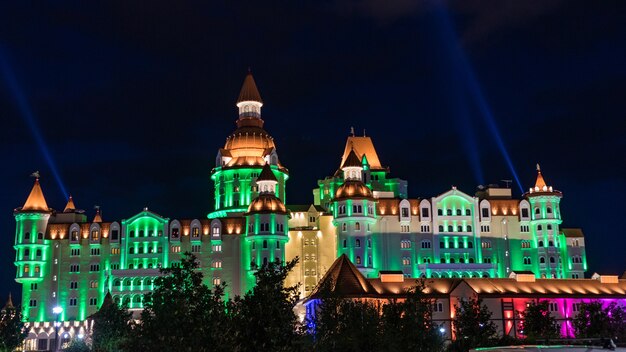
(354, 209)
(267, 231)
(544, 226)
(246, 151)
(31, 247)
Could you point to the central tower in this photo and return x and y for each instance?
(240, 162)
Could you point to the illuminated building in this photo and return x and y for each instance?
(65, 260)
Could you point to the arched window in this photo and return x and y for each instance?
(471, 260)
(468, 212)
(449, 212)
(459, 228)
(461, 260)
(549, 210)
(358, 260)
(550, 244)
(27, 236)
(470, 244)
(552, 260)
(549, 227)
(406, 261)
(369, 244)
(537, 211)
(450, 228)
(540, 244)
(452, 260)
(440, 228)
(264, 243)
(358, 243)
(357, 226)
(345, 244)
(542, 260)
(469, 228)
(344, 227)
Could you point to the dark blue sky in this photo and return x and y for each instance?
(133, 100)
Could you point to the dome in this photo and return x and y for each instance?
(267, 203)
(353, 189)
(249, 146)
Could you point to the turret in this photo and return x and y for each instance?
(31, 246)
(544, 225)
(355, 215)
(246, 151)
(267, 220)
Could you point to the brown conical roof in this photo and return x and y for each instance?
(541, 183)
(36, 201)
(352, 160)
(249, 91)
(9, 304)
(69, 207)
(344, 279)
(97, 218)
(267, 174)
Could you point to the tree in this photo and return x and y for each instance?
(78, 345)
(617, 321)
(12, 330)
(409, 325)
(591, 320)
(182, 313)
(263, 319)
(472, 325)
(538, 322)
(111, 326)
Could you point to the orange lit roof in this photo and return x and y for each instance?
(249, 91)
(361, 146)
(36, 201)
(69, 207)
(504, 206)
(346, 280)
(573, 232)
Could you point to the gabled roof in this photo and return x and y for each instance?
(301, 208)
(576, 233)
(249, 91)
(345, 280)
(362, 146)
(36, 201)
(267, 174)
(97, 217)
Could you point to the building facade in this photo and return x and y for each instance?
(63, 259)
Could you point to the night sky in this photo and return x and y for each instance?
(131, 101)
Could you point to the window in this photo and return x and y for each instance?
(468, 212)
(93, 301)
(406, 261)
(577, 259)
(265, 226)
(471, 260)
(439, 212)
(32, 303)
(195, 248)
(440, 228)
(357, 226)
(450, 228)
(218, 263)
(37, 269)
(485, 212)
(458, 212)
(524, 228)
(550, 243)
(342, 209)
(33, 287)
(485, 228)
(426, 260)
(40, 236)
(470, 244)
(469, 228)
(524, 212)
(426, 244)
(344, 227)
(542, 260)
(215, 231)
(553, 307)
(115, 266)
(487, 259)
(216, 281)
(94, 267)
(442, 244)
(405, 244)
(404, 228)
(175, 249)
(540, 244)
(74, 268)
(26, 268)
(115, 251)
(537, 211)
(72, 302)
(264, 244)
(279, 227)
(452, 260)
(95, 251)
(449, 212)
(525, 244)
(74, 252)
(195, 232)
(425, 212)
(486, 244)
(549, 210)
(358, 243)
(345, 244)
(358, 260)
(527, 261)
(425, 228)
(405, 212)
(27, 236)
(38, 253)
(358, 209)
(459, 228)
(438, 307)
(539, 227)
(175, 232)
(217, 248)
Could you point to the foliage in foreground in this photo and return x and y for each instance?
(472, 325)
(12, 330)
(539, 323)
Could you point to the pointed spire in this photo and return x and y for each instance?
(36, 201)
(267, 174)
(69, 207)
(108, 300)
(352, 160)
(97, 218)
(249, 91)
(344, 279)
(540, 183)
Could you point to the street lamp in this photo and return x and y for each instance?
(57, 312)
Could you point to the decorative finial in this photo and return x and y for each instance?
(364, 135)
(97, 207)
(352, 131)
(538, 167)
(249, 69)
(35, 175)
